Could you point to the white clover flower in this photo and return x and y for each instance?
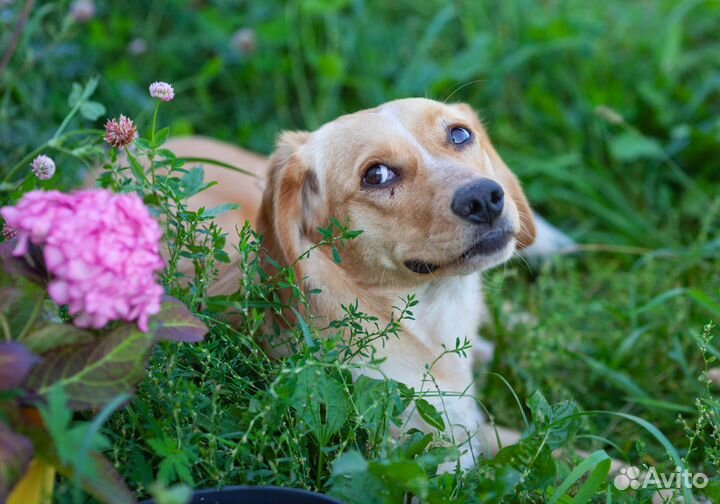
(82, 11)
(43, 167)
(162, 90)
(243, 41)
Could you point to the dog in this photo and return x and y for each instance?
(437, 206)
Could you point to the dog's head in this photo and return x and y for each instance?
(419, 177)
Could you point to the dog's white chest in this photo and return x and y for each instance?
(448, 309)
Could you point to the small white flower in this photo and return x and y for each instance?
(162, 90)
(82, 11)
(137, 46)
(243, 41)
(43, 167)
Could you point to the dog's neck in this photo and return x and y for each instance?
(449, 308)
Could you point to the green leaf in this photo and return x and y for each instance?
(705, 301)
(219, 210)
(307, 335)
(712, 491)
(106, 485)
(161, 137)
(92, 110)
(557, 423)
(56, 335)
(351, 462)
(177, 323)
(176, 461)
(16, 361)
(403, 474)
(631, 146)
(376, 402)
(16, 451)
(143, 144)
(136, 169)
(75, 94)
(336, 255)
(491, 483)
(438, 455)
(321, 402)
(530, 454)
(565, 424)
(92, 374)
(431, 415)
(8, 297)
(540, 408)
(601, 463)
(415, 443)
(192, 182)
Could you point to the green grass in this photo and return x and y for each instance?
(608, 111)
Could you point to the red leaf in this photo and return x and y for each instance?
(16, 361)
(178, 324)
(92, 374)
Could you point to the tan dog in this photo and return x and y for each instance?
(437, 206)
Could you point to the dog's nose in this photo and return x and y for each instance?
(479, 202)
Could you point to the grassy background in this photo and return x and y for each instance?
(608, 111)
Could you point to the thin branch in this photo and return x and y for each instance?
(16, 34)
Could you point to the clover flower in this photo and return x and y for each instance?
(120, 133)
(82, 11)
(101, 250)
(162, 90)
(43, 167)
(243, 41)
(137, 46)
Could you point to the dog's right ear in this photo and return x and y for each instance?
(291, 200)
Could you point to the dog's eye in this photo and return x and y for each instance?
(378, 174)
(459, 136)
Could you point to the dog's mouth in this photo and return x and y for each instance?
(489, 243)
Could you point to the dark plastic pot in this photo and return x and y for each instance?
(258, 495)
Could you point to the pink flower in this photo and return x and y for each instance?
(101, 250)
(120, 133)
(162, 91)
(43, 167)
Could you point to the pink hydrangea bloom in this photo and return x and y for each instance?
(100, 248)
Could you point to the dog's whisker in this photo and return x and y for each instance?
(460, 87)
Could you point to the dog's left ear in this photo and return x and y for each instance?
(290, 201)
(507, 178)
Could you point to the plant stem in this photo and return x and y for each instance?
(56, 142)
(321, 463)
(152, 142)
(25, 160)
